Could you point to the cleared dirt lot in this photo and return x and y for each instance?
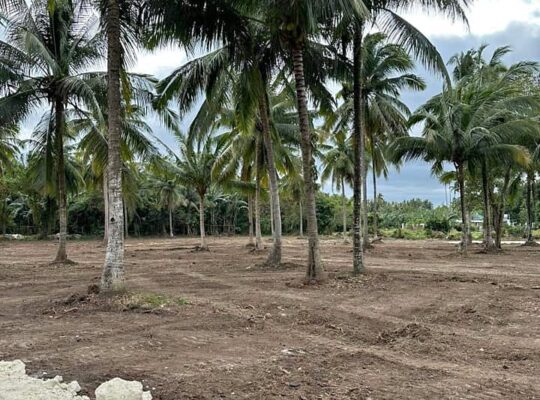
(423, 323)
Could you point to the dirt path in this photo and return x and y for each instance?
(423, 323)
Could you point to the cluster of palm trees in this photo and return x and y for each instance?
(484, 124)
(259, 79)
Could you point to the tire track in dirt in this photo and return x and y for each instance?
(363, 313)
(459, 370)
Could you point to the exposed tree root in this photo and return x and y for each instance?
(201, 248)
(531, 243)
(64, 262)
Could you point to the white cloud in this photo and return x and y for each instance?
(485, 17)
(159, 62)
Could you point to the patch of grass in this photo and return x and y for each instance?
(180, 301)
(150, 301)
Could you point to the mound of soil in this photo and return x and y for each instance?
(409, 331)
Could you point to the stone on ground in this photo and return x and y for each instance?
(16, 385)
(119, 389)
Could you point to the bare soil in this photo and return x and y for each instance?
(422, 323)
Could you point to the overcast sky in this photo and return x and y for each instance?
(494, 22)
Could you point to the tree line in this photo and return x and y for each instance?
(268, 129)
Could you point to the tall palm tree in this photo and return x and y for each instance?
(112, 277)
(47, 48)
(170, 191)
(337, 163)
(197, 159)
(237, 73)
(386, 70)
(294, 24)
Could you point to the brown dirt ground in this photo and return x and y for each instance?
(422, 323)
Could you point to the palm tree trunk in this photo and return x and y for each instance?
(301, 219)
(489, 245)
(204, 245)
(105, 207)
(464, 217)
(358, 258)
(61, 254)
(258, 236)
(529, 205)
(274, 258)
(499, 219)
(315, 270)
(251, 242)
(375, 199)
(344, 208)
(365, 208)
(113, 270)
(171, 231)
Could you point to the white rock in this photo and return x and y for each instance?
(16, 367)
(16, 385)
(119, 389)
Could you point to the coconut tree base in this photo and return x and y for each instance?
(492, 249)
(65, 262)
(322, 278)
(531, 243)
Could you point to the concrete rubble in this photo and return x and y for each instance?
(16, 385)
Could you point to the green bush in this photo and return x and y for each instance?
(454, 234)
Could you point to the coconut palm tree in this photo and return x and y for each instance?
(170, 191)
(349, 35)
(237, 73)
(112, 277)
(337, 164)
(195, 166)
(47, 47)
(386, 70)
(294, 25)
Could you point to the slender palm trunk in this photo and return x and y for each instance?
(344, 208)
(358, 258)
(204, 245)
(61, 254)
(251, 242)
(105, 207)
(258, 236)
(464, 215)
(499, 209)
(274, 258)
(529, 206)
(365, 208)
(315, 270)
(489, 244)
(375, 199)
(171, 230)
(301, 211)
(113, 270)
